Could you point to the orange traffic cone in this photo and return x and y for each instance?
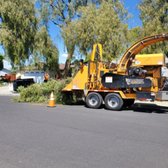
(51, 101)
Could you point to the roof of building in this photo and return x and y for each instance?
(4, 71)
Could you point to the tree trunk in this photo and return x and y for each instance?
(67, 66)
(66, 71)
(1, 64)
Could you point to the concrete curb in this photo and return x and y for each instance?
(158, 103)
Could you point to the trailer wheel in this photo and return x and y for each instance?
(113, 101)
(93, 100)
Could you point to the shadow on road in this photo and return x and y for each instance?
(149, 108)
(137, 107)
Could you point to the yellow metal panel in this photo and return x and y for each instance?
(97, 49)
(137, 48)
(92, 68)
(79, 81)
(125, 96)
(149, 60)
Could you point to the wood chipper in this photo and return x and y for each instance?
(142, 77)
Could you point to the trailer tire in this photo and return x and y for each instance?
(94, 100)
(113, 101)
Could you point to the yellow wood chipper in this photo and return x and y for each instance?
(142, 77)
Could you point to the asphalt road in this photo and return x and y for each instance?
(35, 136)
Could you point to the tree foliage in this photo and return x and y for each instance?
(134, 34)
(22, 34)
(44, 47)
(154, 16)
(99, 24)
(17, 29)
(61, 13)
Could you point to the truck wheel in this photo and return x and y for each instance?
(93, 100)
(113, 102)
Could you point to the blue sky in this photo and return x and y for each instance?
(130, 5)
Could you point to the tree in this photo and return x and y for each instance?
(61, 13)
(134, 35)
(45, 50)
(99, 24)
(18, 25)
(154, 16)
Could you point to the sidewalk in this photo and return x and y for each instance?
(7, 90)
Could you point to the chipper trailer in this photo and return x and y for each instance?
(142, 77)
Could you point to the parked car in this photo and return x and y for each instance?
(28, 78)
(22, 82)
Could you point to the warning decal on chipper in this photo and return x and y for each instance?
(134, 81)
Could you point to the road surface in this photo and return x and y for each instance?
(35, 136)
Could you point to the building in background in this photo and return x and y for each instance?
(4, 72)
